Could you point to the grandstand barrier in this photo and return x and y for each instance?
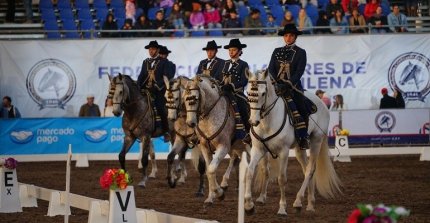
(27, 196)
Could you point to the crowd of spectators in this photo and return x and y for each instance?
(337, 17)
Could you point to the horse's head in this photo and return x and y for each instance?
(120, 93)
(191, 97)
(258, 89)
(174, 90)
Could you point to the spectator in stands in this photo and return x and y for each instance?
(379, 22)
(288, 19)
(128, 26)
(304, 23)
(212, 17)
(323, 21)
(8, 110)
(338, 24)
(252, 21)
(166, 3)
(89, 109)
(338, 103)
(305, 2)
(332, 7)
(177, 17)
(387, 101)
(145, 5)
(400, 102)
(161, 24)
(321, 94)
(349, 5)
(271, 23)
(411, 7)
(197, 20)
(28, 5)
(397, 21)
(187, 8)
(142, 23)
(109, 25)
(10, 13)
(232, 22)
(357, 24)
(108, 110)
(227, 8)
(130, 10)
(370, 9)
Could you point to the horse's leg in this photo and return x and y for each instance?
(207, 154)
(282, 180)
(146, 140)
(309, 172)
(178, 145)
(128, 142)
(302, 158)
(226, 177)
(202, 170)
(154, 169)
(220, 153)
(264, 168)
(182, 167)
(256, 154)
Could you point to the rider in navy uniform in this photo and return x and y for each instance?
(164, 53)
(212, 66)
(151, 79)
(234, 80)
(286, 66)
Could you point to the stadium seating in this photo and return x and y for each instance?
(117, 4)
(272, 2)
(82, 4)
(87, 24)
(216, 33)
(70, 29)
(85, 14)
(294, 9)
(312, 12)
(52, 29)
(243, 13)
(45, 4)
(198, 33)
(152, 12)
(64, 5)
(278, 12)
(99, 4)
(119, 13)
(255, 3)
(67, 14)
(48, 14)
(101, 14)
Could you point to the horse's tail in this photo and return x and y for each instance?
(327, 182)
(195, 156)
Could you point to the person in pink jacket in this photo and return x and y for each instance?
(212, 17)
(197, 20)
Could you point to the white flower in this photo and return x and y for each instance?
(401, 211)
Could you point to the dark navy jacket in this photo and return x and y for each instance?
(214, 70)
(237, 73)
(161, 68)
(292, 55)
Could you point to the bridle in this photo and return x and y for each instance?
(124, 100)
(264, 111)
(170, 104)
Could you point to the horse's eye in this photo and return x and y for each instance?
(264, 94)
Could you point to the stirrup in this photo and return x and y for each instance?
(304, 143)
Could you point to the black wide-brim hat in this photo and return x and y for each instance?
(211, 45)
(235, 43)
(164, 50)
(153, 43)
(289, 28)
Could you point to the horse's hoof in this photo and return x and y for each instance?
(260, 201)
(181, 181)
(222, 197)
(172, 183)
(298, 210)
(152, 176)
(142, 184)
(200, 194)
(250, 211)
(310, 209)
(282, 213)
(207, 204)
(224, 188)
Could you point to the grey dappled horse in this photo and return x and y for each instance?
(213, 117)
(138, 120)
(185, 136)
(272, 133)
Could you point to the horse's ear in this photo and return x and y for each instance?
(265, 73)
(166, 82)
(120, 76)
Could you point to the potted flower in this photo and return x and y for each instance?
(381, 213)
(115, 179)
(343, 132)
(9, 163)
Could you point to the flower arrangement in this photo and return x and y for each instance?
(9, 163)
(343, 132)
(115, 179)
(379, 214)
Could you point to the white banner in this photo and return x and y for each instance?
(52, 78)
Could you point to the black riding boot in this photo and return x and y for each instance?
(299, 100)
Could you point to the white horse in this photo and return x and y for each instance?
(272, 133)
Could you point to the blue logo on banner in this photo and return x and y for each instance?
(96, 135)
(410, 73)
(21, 136)
(385, 121)
(51, 83)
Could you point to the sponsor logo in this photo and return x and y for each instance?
(51, 83)
(21, 136)
(96, 135)
(385, 121)
(410, 74)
